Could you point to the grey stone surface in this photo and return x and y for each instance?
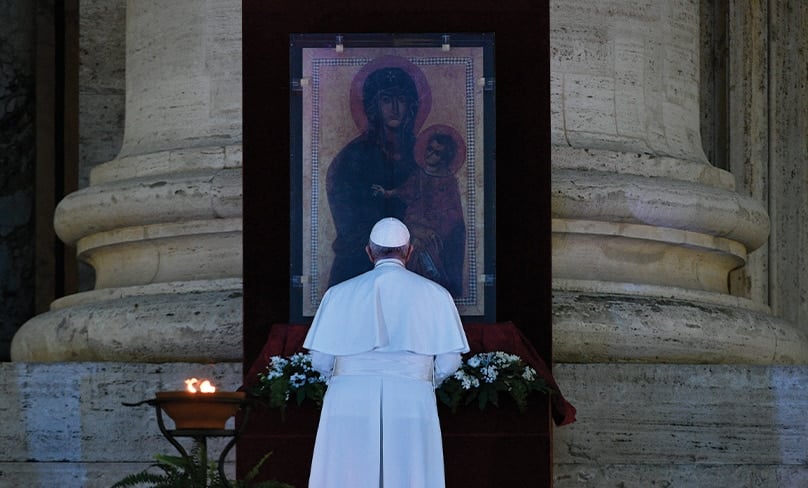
(685, 476)
(638, 425)
(624, 77)
(787, 173)
(63, 424)
(102, 95)
(192, 326)
(76, 475)
(183, 79)
(66, 474)
(683, 425)
(167, 209)
(636, 205)
(598, 326)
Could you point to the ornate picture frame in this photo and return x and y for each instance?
(430, 164)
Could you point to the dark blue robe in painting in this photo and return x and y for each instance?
(364, 162)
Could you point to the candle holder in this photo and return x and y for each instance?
(200, 416)
(193, 411)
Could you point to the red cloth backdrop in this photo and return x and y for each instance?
(287, 339)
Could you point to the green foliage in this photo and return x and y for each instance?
(484, 376)
(194, 472)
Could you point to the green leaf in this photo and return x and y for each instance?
(482, 399)
(301, 395)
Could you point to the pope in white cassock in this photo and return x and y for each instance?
(386, 339)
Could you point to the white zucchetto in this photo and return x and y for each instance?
(390, 232)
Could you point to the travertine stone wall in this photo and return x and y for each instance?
(161, 223)
(639, 214)
(788, 166)
(638, 210)
(764, 134)
(64, 424)
(642, 425)
(17, 109)
(747, 127)
(102, 68)
(638, 424)
(102, 71)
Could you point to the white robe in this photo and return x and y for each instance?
(390, 337)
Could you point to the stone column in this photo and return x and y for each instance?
(161, 223)
(645, 231)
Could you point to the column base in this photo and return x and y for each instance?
(168, 322)
(651, 326)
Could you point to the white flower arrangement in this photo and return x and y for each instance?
(481, 377)
(285, 377)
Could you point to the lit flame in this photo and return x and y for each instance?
(194, 385)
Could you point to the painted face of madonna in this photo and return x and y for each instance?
(394, 109)
(390, 99)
